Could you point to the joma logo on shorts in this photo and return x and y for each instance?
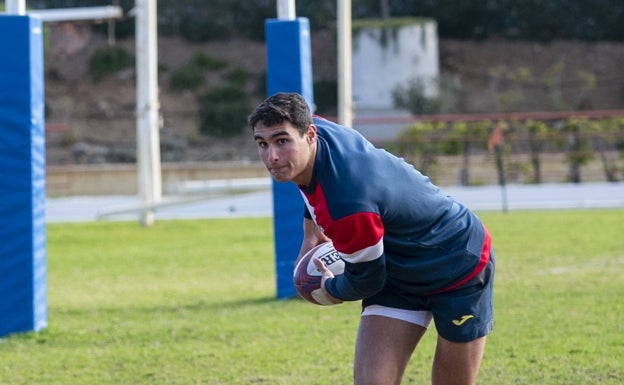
(462, 320)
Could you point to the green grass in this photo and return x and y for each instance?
(192, 302)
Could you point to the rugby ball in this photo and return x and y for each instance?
(307, 278)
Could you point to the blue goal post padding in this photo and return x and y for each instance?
(23, 304)
(289, 69)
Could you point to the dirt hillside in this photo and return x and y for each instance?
(94, 122)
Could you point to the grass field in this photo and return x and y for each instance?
(193, 302)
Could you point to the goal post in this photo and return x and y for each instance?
(23, 303)
(289, 69)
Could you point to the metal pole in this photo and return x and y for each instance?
(345, 91)
(286, 9)
(147, 109)
(108, 12)
(501, 176)
(15, 7)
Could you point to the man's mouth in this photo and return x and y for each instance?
(279, 172)
(277, 169)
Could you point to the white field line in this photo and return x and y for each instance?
(605, 263)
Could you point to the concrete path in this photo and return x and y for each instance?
(259, 204)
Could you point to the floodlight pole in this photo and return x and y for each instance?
(345, 96)
(15, 7)
(147, 109)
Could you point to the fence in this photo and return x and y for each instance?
(523, 147)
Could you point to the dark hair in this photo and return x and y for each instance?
(283, 106)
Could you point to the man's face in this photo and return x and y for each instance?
(287, 154)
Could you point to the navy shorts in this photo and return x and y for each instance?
(461, 315)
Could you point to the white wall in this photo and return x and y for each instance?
(409, 52)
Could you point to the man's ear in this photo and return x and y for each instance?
(311, 133)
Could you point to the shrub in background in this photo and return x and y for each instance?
(238, 76)
(208, 62)
(191, 76)
(223, 112)
(108, 60)
(412, 97)
(187, 77)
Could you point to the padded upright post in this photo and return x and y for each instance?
(289, 69)
(23, 304)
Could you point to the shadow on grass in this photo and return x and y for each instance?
(66, 324)
(198, 304)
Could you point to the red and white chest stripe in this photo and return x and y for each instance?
(357, 237)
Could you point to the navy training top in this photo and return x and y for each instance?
(393, 227)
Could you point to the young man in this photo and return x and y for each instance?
(411, 252)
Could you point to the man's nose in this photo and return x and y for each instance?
(273, 153)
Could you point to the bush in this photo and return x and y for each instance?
(203, 25)
(223, 112)
(187, 77)
(108, 60)
(589, 20)
(191, 75)
(208, 62)
(412, 98)
(238, 76)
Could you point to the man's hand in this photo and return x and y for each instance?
(327, 298)
(312, 236)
